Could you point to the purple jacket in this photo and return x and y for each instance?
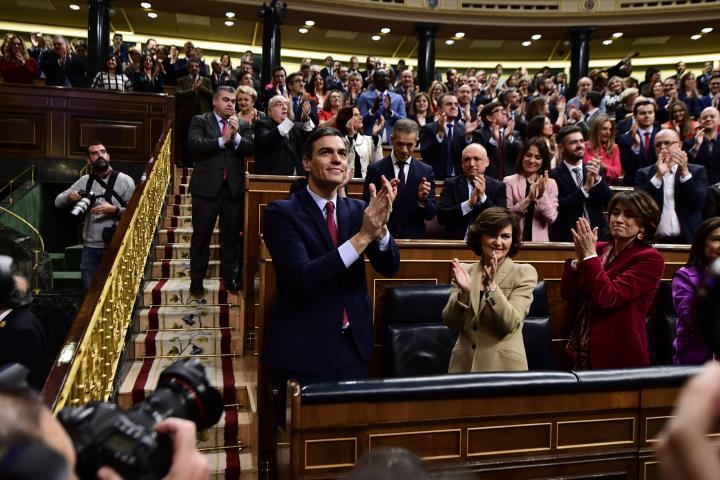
(689, 348)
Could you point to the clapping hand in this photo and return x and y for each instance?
(593, 174)
(442, 125)
(423, 190)
(378, 125)
(349, 126)
(376, 104)
(585, 238)
(488, 281)
(478, 190)
(635, 135)
(306, 108)
(662, 165)
(461, 277)
(541, 184)
(387, 103)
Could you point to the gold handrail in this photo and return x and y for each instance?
(38, 253)
(87, 365)
(31, 169)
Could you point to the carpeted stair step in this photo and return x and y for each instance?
(182, 189)
(184, 342)
(181, 251)
(181, 269)
(235, 427)
(176, 291)
(179, 199)
(189, 317)
(181, 222)
(231, 463)
(172, 210)
(182, 235)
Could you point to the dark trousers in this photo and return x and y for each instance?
(205, 212)
(89, 263)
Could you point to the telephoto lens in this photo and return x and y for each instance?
(125, 441)
(81, 207)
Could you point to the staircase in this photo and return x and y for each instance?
(173, 324)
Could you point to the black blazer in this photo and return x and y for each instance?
(22, 340)
(454, 192)
(630, 161)
(211, 161)
(314, 286)
(434, 153)
(689, 197)
(570, 204)
(512, 150)
(711, 161)
(75, 70)
(275, 154)
(407, 219)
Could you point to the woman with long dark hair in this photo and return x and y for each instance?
(150, 78)
(110, 78)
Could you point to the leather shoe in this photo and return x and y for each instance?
(232, 285)
(196, 288)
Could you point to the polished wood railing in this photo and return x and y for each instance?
(86, 367)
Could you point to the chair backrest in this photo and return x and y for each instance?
(540, 306)
(415, 350)
(414, 304)
(538, 343)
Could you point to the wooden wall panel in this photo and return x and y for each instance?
(41, 122)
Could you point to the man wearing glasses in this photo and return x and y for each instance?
(677, 186)
(500, 139)
(704, 149)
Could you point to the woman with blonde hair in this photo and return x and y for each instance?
(436, 89)
(601, 145)
(245, 101)
(16, 66)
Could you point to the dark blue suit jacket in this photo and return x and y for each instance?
(435, 154)
(313, 285)
(571, 201)
(630, 161)
(454, 192)
(407, 219)
(689, 197)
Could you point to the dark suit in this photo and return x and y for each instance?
(435, 154)
(571, 200)
(711, 161)
(632, 161)
(217, 187)
(74, 70)
(188, 103)
(500, 165)
(407, 219)
(689, 197)
(22, 340)
(276, 154)
(455, 191)
(314, 286)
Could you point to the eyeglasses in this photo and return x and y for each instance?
(660, 145)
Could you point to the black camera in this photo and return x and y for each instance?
(82, 206)
(7, 281)
(125, 441)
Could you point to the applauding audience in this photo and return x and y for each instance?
(16, 66)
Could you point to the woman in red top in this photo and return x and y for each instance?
(331, 107)
(601, 144)
(680, 120)
(611, 285)
(16, 66)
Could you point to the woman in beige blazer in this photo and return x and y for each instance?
(489, 299)
(363, 149)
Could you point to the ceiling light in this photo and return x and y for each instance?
(707, 30)
(145, 5)
(385, 30)
(449, 41)
(460, 35)
(617, 34)
(230, 14)
(74, 7)
(697, 36)
(607, 42)
(152, 14)
(229, 23)
(309, 23)
(526, 43)
(303, 30)
(537, 36)
(376, 38)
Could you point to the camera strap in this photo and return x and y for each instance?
(109, 188)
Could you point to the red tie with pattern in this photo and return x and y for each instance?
(332, 228)
(647, 145)
(222, 133)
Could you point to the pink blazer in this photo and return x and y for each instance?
(611, 162)
(546, 207)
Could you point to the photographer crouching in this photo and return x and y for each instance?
(101, 197)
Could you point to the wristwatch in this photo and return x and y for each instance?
(489, 297)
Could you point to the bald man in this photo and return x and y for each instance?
(464, 196)
(677, 186)
(704, 149)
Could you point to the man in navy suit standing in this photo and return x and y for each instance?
(321, 324)
(677, 186)
(582, 192)
(415, 201)
(636, 145)
(463, 197)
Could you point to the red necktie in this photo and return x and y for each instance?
(647, 144)
(332, 228)
(222, 133)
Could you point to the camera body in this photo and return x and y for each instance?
(86, 202)
(103, 434)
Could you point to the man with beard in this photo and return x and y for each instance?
(112, 191)
(582, 192)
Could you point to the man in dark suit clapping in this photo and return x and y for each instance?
(415, 201)
(463, 197)
(219, 141)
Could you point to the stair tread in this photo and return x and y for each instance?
(66, 274)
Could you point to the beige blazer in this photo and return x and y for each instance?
(490, 329)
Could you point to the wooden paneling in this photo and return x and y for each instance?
(40, 122)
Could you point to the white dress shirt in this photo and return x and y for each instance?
(669, 222)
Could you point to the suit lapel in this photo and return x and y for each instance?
(462, 187)
(214, 124)
(318, 217)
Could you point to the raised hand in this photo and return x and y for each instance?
(461, 277)
(593, 173)
(662, 165)
(699, 137)
(306, 108)
(635, 135)
(470, 127)
(478, 190)
(679, 158)
(510, 127)
(585, 238)
(495, 129)
(442, 125)
(489, 271)
(376, 104)
(378, 125)
(350, 128)
(387, 103)
(542, 184)
(423, 190)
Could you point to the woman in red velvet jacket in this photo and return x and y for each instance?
(612, 285)
(15, 64)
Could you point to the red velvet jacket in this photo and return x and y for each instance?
(619, 300)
